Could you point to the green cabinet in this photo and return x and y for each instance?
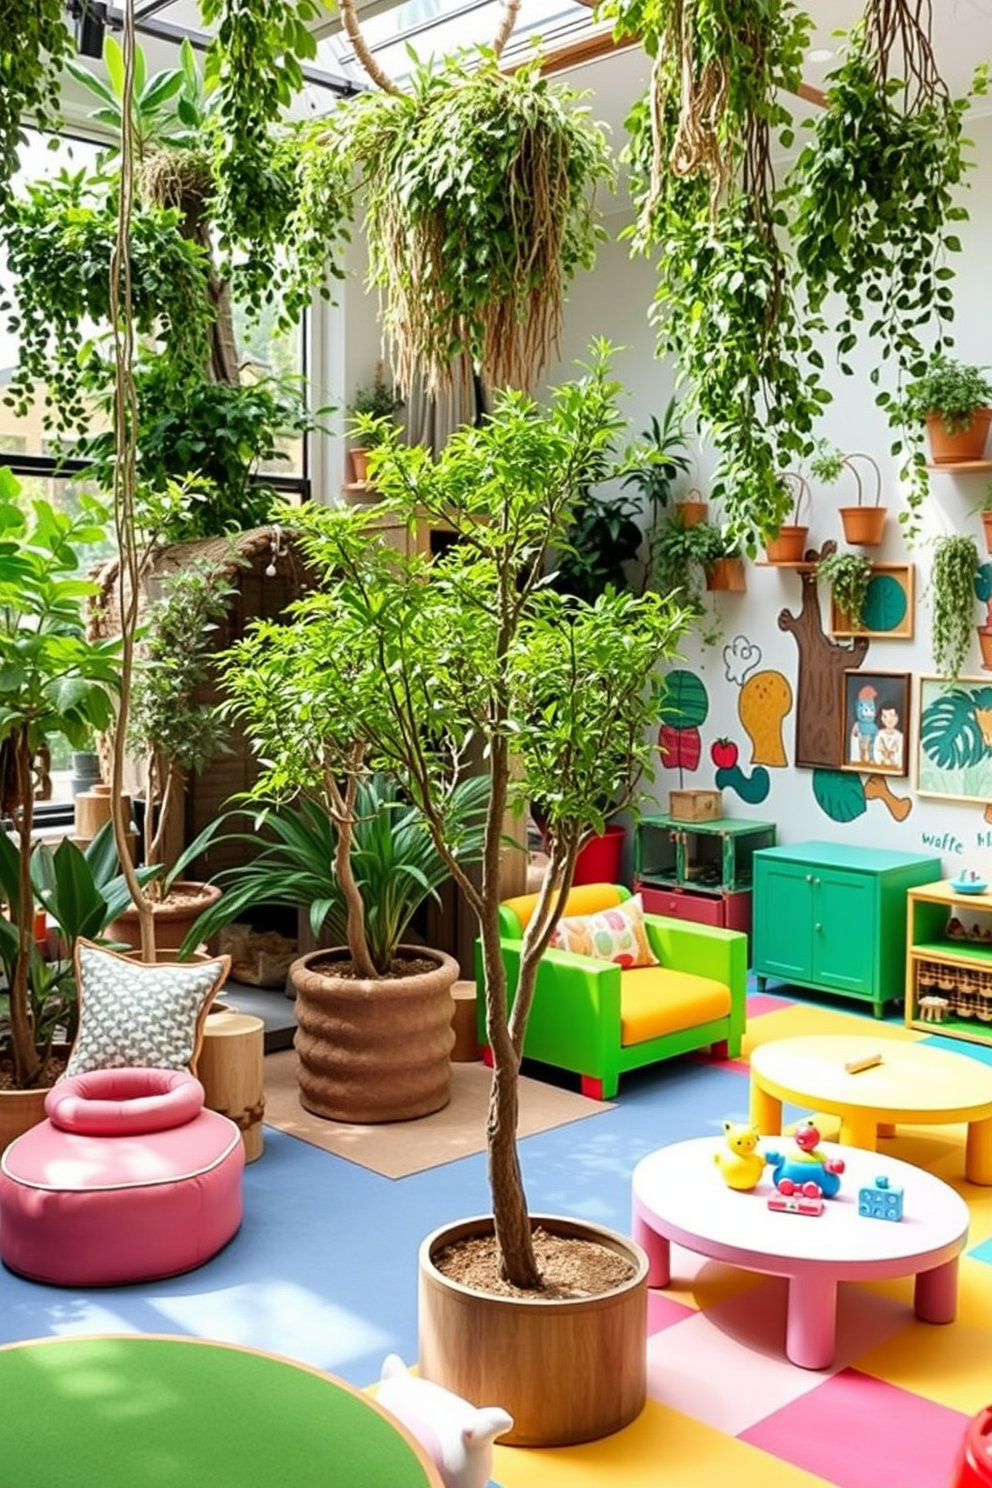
(833, 917)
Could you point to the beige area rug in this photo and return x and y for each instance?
(399, 1148)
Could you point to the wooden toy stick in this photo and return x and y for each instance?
(869, 1061)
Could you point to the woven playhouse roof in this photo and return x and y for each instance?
(271, 553)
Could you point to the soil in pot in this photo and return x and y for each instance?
(173, 916)
(570, 1267)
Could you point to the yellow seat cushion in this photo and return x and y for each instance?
(655, 1000)
(585, 899)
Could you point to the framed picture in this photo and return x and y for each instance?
(888, 608)
(954, 738)
(876, 718)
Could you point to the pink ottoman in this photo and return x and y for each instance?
(128, 1179)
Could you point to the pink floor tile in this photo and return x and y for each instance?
(762, 1002)
(859, 1432)
(664, 1312)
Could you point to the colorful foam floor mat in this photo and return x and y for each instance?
(323, 1271)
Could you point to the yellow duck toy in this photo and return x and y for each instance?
(741, 1166)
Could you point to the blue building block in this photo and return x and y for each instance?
(882, 1201)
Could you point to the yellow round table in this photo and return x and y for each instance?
(913, 1083)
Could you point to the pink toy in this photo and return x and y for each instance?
(809, 1172)
(456, 1436)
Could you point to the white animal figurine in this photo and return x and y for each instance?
(456, 1436)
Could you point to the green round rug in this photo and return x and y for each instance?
(153, 1412)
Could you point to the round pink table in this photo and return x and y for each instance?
(679, 1195)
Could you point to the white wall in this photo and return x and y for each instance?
(613, 301)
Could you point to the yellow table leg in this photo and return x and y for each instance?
(978, 1154)
(886, 1129)
(858, 1129)
(766, 1111)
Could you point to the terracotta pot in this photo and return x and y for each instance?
(985, 646)
(863, 525)
(567, 1370)
(788, 547)
(372, 1051)
(728, 574)
(359, 465)
(691, 513)
(173, 920)
(966, 444)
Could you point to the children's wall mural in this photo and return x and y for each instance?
(820, 676)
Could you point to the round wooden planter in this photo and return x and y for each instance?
(19, 1111)
(173, 919)
(372, 1051)
(788, 547)
(567, 1370)
(727, 574)
(863, 525)
(966, 444)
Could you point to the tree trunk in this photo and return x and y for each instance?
(819, 680)
(27, 1064)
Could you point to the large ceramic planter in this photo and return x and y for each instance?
(174, 917)
(965, 444)
(372, 1051)
(567, 1370)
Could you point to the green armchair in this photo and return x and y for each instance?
(598, 1020)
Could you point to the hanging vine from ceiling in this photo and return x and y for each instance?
(703, 184)
(479, 196)
(34, 43)
(876, 207)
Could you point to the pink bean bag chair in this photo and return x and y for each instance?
(128, 1179)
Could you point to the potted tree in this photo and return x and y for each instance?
(371, 410)
(848, 576)
(952, 590)
(54, 680)
(864, 524)
(423, 664)
(952, 398)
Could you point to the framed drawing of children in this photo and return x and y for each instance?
(875, 727)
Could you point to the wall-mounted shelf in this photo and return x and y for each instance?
(803, 567)
(960, 467)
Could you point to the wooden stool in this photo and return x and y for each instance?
(230, 1071)
(463, 1022)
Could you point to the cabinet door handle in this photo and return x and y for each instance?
(809, 878)
(818, 929)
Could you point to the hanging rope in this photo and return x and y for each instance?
(353, 31)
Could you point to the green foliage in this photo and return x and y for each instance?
(952, 589)
(681, 554)
(602, 537)
(663, 459)
(951, 733)
(168, 106)
(876, 197)
(952, 389)
(724, 307)
(396, 863)
(213, 433)
(34, 44)
(59, 240)
(478, 189)
(848, 575)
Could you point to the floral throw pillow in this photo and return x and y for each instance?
(616, 934)
(134, 1014)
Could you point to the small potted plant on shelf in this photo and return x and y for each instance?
(789, 543)
(952, 399)
(687, 558)
(663, 460)
(848, 576)
(372, 411)
(864, 524)
(952, 588)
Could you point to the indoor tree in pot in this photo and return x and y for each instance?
(54, 679)
(436, 662)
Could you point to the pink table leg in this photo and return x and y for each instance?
(766, 1111)
(935, 1298)
(978, 1154)
(656, 1248)
(811, 1321)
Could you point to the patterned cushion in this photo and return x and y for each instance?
(132, 1013)
(611, 935)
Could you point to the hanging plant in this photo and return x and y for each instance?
(479, 199)
(34, 43)
(876, 200)
(848, 576)
(704, 189)
(952, 589)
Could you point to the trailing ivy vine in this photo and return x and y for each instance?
(479, 194)
(876, 203)
(703, 185)
(34, 43)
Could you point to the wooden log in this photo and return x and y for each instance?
(230, 1068)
